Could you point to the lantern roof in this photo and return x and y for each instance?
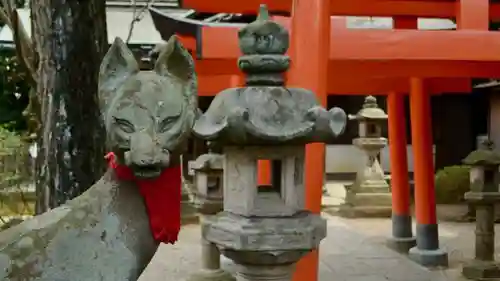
(265, 112)
(370, 111)
(485, 155)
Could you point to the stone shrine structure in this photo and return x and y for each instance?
(484, 194)
(207, 172)
(265, 230)
(369, 195)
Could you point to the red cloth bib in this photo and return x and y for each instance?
(162, 197)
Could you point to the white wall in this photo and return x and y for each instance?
(347, 158)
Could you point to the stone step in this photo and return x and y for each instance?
(350, 211)
(370, 199)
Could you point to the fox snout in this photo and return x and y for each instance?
(146, 151)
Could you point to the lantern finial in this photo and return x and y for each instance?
(263, 44)
(263, 13)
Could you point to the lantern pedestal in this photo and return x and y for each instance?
(210, 257)
(370, 195)
(484, 266)
(265, 248)
(208, 200)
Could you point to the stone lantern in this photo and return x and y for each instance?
(265, 230)
(484, 194)
(207, 172)
(369, 195)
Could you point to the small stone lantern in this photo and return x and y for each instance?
(369, 195)
(266, 230)
(484, 194)
(207, 172)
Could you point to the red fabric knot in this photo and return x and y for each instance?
(162, 196)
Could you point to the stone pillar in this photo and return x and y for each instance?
(369, 195)
(484, 194)
(265, 231)
(207, 171)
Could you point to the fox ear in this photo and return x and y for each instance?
(174, 60)
(117, 65)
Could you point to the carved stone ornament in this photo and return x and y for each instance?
(265, 112)
(104, 234)
(265, 230)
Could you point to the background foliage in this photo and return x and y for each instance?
(451, 184)
(13, 92)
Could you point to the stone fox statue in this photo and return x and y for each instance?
(107, 233)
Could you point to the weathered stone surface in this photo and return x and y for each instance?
(104, 234)
(241, 193)
(265, 112)
(481, 270)
(484, 180)
(148, 114)
(101, 235)
(258, 115)
(301, 231)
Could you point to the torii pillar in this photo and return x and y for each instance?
(427, 252)
(309, 50)
(402, 239)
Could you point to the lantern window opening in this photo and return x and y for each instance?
(213, 185)
(275, 185)
(372, 129)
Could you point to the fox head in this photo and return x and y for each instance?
(148, 115)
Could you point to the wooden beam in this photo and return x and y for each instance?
(381, 52)
(380, 8)
(381, 69)
(379, 45)
(210, 85)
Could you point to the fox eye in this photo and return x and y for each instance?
(125, 125)
(165, 123)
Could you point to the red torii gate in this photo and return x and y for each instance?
(329, 59)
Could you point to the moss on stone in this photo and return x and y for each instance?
(482, 157)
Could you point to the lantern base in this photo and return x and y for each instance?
(367, 204)
(481, 270)
(212, 275)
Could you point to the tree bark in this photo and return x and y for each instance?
(70, 38)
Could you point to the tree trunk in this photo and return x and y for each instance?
(70, 38)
